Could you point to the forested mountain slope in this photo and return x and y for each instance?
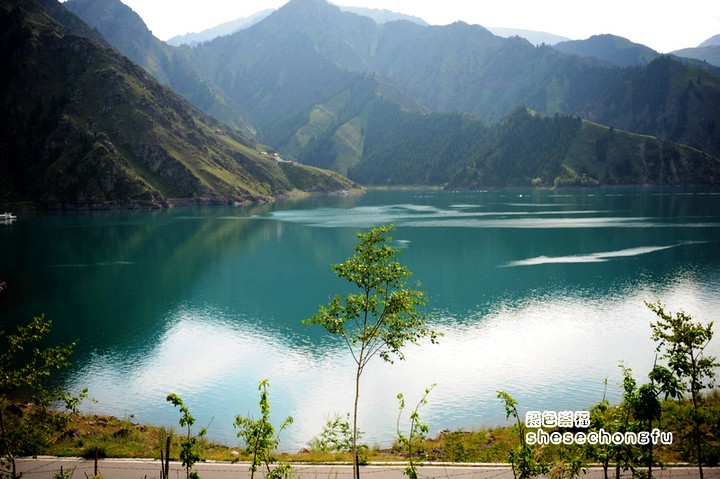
(83, 126)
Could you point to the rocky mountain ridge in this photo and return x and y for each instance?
(84, 127)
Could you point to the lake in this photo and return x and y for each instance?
(539, 293)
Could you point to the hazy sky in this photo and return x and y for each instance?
(660, 24)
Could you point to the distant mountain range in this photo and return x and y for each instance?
(616, 50)
(712, 41)
(610, 48)
(622, 52)
(708, 51)
(384, 16)
(84, 127)
(227, 28)
(378, 100)
(308, 75)
(233, 26)
(534, 37)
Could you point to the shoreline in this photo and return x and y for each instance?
(169, 203)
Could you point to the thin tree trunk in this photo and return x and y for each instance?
(696, 417)
(254, 461)
(166, 469)
(697, 435)
(650, 463)
(356, 462)
(8, 450)
(360, 365)
(189, 462)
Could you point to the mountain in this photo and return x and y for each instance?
(83, 126)
(311, 78)
(534, 37)
(288, 63)
(402, 147)
(610, 48)
(296, 74)
(461, 67)
(228, 28)
(710, 42)
(666, 98)
(223, 29)
(308, 51)
(527, 149)
(708, 53)
(126, 31)
(384, 16)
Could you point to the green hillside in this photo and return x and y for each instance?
(410, 148)
(667, 99)
(709, 54)
(85, 127)
(610, 48)
(125, 30)
(527, 149)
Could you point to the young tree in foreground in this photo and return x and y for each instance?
(336, 435)
(381, 317)
(25, 370)
(188, 447)
(600, 419)
(417, 434)
(682, 342)
(260, 437)
(522, 458)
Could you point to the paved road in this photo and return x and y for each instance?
(45, 467)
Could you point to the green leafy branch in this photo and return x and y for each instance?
(418, 433)
(260, 437)
(188, 446)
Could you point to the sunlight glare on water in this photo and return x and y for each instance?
(548, 352)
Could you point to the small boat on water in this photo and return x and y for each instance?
(6, 217)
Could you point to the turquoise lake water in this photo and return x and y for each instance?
(538, 293)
